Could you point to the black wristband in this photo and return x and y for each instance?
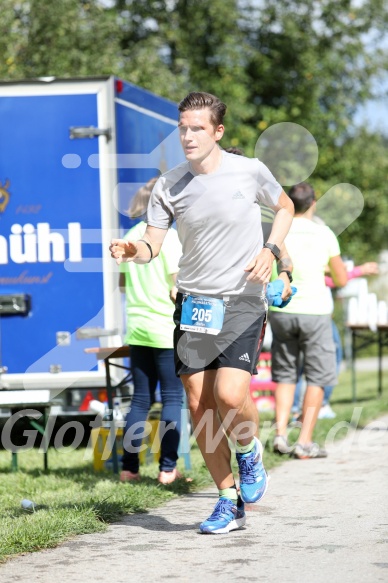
(149, 248)
(273, 248)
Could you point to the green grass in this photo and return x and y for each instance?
(73, 499)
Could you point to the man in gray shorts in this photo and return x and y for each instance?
(303, 328)
(215, 199)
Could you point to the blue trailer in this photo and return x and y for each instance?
(72, 154)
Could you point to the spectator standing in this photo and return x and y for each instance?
(364, 270)
(303, 329)
(326, 412)
(149, 290)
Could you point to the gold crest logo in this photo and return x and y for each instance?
(4, 196)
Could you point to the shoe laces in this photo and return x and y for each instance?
(249, 468)
(223, 509)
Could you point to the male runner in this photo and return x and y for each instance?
(220, 311)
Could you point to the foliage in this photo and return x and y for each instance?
(362, 160)
(42, 38)
(311, 62)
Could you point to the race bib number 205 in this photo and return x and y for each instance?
(202, 314)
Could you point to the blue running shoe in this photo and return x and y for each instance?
(226, 516)
(253, 477)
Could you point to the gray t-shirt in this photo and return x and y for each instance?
(218, 220)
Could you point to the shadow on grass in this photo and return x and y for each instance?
(86, 478)
(103, 510)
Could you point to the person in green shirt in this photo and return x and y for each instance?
(150, 292)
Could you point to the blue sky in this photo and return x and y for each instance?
(374, 114)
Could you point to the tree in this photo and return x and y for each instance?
(310, 62)
(68, 38)
(363, 161)
(313, 63)
(175, 46)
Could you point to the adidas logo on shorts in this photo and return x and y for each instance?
(238, 194)
(245, 357)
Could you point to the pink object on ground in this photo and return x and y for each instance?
(169, 477)
(127, 476)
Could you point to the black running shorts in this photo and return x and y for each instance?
(238, 345)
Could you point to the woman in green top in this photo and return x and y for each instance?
(150, 292)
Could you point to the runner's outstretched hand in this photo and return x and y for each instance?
(123, 250)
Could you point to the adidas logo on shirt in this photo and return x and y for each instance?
(245, 357)
(238, 194)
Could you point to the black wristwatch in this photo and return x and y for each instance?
(273, 248)
(288, 273)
